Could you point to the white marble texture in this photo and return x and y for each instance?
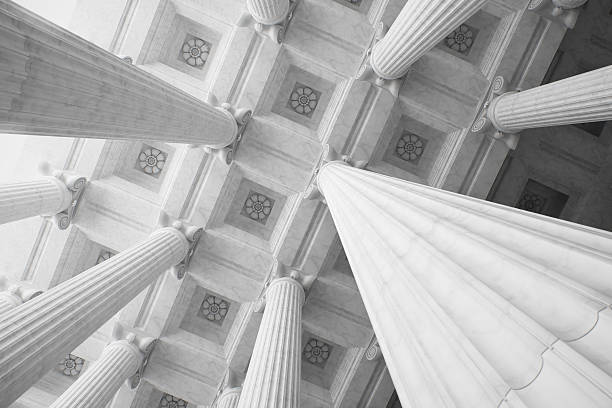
(102, 96)
(528, 316)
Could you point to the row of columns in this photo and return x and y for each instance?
(55, 83)
(474, 305)
(533, 288)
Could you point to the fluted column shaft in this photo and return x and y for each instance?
(474, 304)
(47, 196)
(268, 12)
(54, 83)
(33, 335)
(273, 376)
(98, 384)
(416, 30)
(578, 99)
(229, 398)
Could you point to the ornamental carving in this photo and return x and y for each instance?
(195, 52)
(462, 39)
(316, 352)
(71, 366)
(410, 147)
(169, 401)
(257, 207)
(304, 100)
(532, 202)
(151, 160)
(214, 309)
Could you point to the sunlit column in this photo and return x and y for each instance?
(475, 304)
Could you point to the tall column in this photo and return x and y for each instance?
(416, 30)
(475, 304)
(16, 295)
(229, 398)
(54, 323)
(578, 99)
(119, 361)
(274, 373)
(55, 83)
(56, 196)
(268, 12)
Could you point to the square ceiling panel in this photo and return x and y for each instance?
(321, 359)
(190, 47)
(413, 146)
(209, 315)
(255, 209)
(303, 97)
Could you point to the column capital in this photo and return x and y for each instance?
(270, 18)
(140, 345)
(329, 155)
(487, 123)
(187, 231)
(241, 116)
(71, 186)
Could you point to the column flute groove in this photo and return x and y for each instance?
(55, 83)
(507, 308)
(273, 376)
(578, 99)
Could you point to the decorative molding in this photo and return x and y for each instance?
(151, 160)
(195, 51)
(257, 207)
(373, 351)
(71, 366)
(275, 32)
(170, 401)
(461, 39)
(484, 122)
(192, 234)
(214, 309)
(242, 116)
(76, 186)
(410, 147)
(316, 352)
(145, 346)
(303, 99)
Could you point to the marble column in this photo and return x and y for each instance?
(578, 99)
(55, 196)
(119, 361)
(57, 84)
(475, 304)
(16, 295)
(268, 12)
(35, 334)
(229, 398)
(416, 30)
(274, 373)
